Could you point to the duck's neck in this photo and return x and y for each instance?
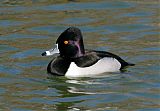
(81, 50)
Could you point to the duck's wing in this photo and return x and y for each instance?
(87, 60)
(91, 57)
(103, 54)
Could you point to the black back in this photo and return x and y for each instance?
(91, 57)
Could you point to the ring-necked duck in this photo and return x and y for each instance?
(75, 61)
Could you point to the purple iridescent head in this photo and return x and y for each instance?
(70, 43)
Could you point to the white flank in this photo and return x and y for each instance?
(103, 65)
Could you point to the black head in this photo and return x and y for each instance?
(70, 43)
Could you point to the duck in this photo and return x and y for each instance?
(73, 60)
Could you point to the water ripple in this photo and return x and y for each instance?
(124, 27)
(89, 5)
(26, 53)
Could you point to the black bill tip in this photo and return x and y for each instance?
(44, 54)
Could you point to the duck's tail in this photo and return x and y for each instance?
(131, 64)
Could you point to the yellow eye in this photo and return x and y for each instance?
(66, 42)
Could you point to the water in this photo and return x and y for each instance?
(128, 28)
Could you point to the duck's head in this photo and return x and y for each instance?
(69, 44)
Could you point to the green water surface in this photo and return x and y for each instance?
(128, 28)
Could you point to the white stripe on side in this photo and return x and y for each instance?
(103, 65)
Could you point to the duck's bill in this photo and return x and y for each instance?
(51, 51)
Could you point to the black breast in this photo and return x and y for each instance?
(58, 66)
